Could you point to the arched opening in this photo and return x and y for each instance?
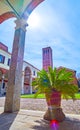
(0, 80)
(22, 10)
(6, 16)
(3, 81)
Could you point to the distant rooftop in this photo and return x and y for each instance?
(47, 47)
(3, 47)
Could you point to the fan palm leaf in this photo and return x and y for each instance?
(54, 79)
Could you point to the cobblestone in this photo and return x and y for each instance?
(68, 106)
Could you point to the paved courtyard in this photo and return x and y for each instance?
(30, 116)
(33, 120)
(69, 107)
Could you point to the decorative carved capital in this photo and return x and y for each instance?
(21, 23)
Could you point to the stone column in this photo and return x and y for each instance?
(12, 100)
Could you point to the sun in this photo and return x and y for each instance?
(34, 20)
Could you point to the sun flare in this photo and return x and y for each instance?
(34, 20)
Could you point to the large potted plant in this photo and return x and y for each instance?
(54, 84)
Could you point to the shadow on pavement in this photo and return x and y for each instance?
(70, 123)
(6, 120)
(41, 125)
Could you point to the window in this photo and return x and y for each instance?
(3, 86)
(33, 72)
(9, 60)
(43, 51)
(2, 58)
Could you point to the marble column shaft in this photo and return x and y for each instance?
(12, 100)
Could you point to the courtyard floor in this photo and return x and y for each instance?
(30, 116)
(68, 106)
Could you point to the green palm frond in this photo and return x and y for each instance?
(59, 80)
(52, 75)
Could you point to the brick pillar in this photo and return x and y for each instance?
(12, 100)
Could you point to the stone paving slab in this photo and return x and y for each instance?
(33, 120)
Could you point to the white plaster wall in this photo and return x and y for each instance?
(25, 64)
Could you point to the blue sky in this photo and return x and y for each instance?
(58, 27)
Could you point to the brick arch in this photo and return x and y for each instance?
(6, 16)
(5, 73)
(28, 10)
(32, 5)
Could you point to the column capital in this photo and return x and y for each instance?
(21, 23)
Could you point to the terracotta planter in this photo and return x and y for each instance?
(54, 107)
(53, 99)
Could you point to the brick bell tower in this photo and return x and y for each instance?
(47, 59)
